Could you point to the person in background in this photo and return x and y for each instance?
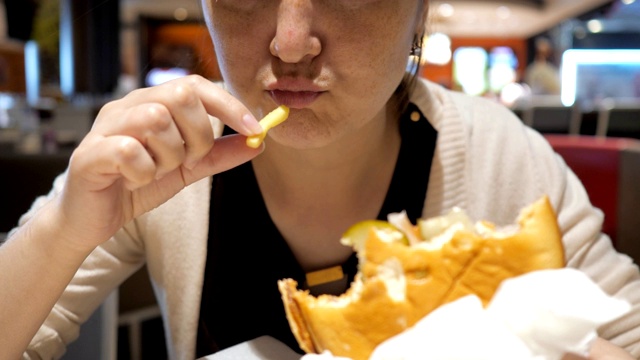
(165, 178)
(542, 75)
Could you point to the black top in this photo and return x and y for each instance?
(248, 255)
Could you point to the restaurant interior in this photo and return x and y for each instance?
(569, 69)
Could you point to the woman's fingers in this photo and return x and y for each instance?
(214, 100)
(230, 151)
(146, 147)
(229, 110)
(155, 128)
(173, 120)
(113, 179)
(126, 158)
(197, 135)
(119, 157)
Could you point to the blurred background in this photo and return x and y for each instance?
(568, 68)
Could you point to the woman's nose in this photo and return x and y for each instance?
(294, 39)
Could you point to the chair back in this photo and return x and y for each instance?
(98, 338)
(25, 177)
(609, 169)
(619, 118)
(547, 114)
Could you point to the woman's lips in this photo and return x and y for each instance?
(295, 99)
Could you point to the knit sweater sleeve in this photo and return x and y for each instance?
(591, 251)
(586, 247)
(488, 162)
(538, 170)
(101, 272)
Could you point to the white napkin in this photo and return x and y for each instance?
(461, 330)
(540, 315)
(555, 311)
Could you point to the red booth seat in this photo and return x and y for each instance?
(609, 168)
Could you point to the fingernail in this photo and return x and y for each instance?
(251, 124)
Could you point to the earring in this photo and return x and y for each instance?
(416, 46)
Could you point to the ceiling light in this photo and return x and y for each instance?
(503, 12)
(437, 49)
(446, 10)
(595, 26)
(628, 2)
(180, 14)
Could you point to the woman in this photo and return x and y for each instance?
(361, 141)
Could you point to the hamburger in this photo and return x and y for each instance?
(406, 271)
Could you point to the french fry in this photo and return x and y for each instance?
(274, 118)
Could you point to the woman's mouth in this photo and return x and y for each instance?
(295, 99)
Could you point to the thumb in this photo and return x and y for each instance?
(227, 152)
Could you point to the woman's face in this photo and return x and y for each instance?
(335, 63)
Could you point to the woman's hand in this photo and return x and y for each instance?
(141, 151)
(602, 350)
(145, 148)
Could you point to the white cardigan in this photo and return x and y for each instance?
(485, 161)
